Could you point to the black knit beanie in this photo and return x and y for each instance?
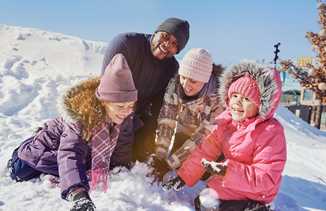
(178, 28)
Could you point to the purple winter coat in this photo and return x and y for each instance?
(58, 149)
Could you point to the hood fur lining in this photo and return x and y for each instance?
(266, 82)
(79, 104)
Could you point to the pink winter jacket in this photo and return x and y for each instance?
(255, 149)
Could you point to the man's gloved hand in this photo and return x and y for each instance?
(160, 152)
(160, 167)
(176, 183)
(82, 202)
(213, 167)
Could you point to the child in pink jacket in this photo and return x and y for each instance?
(250, 138)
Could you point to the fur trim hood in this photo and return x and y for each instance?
(268, 81)
(79, 104)
(218, 69)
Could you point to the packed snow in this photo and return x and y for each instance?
(37, 66)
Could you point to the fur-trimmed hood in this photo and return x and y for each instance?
(79, 104)
(218, 69)
(268, 81)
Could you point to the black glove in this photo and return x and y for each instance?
(213, 167)
(82, 202)
(160, 167)
(176, 183)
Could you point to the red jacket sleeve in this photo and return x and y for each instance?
(191, 169)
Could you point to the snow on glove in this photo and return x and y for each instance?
(176, 183)
(213, 167)
(82, 202)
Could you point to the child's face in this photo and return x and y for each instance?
(242, 107)
(190, 86)
(117, 112)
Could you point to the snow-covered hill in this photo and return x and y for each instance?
(36, 66)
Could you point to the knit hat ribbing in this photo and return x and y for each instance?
(117, 84)
(178, 28)
(247, 87)
(197, 64)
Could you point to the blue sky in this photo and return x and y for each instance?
(230, 30)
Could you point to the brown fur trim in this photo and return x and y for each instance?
(82, 105)
(218, 69)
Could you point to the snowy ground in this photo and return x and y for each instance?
(36, 66)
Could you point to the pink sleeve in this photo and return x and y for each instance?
(191, 169)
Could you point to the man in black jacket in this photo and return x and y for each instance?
(152, 63)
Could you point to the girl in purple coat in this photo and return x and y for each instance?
(83, 139)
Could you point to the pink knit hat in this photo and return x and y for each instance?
(197, 64)
(247, 87)
(117, 84)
